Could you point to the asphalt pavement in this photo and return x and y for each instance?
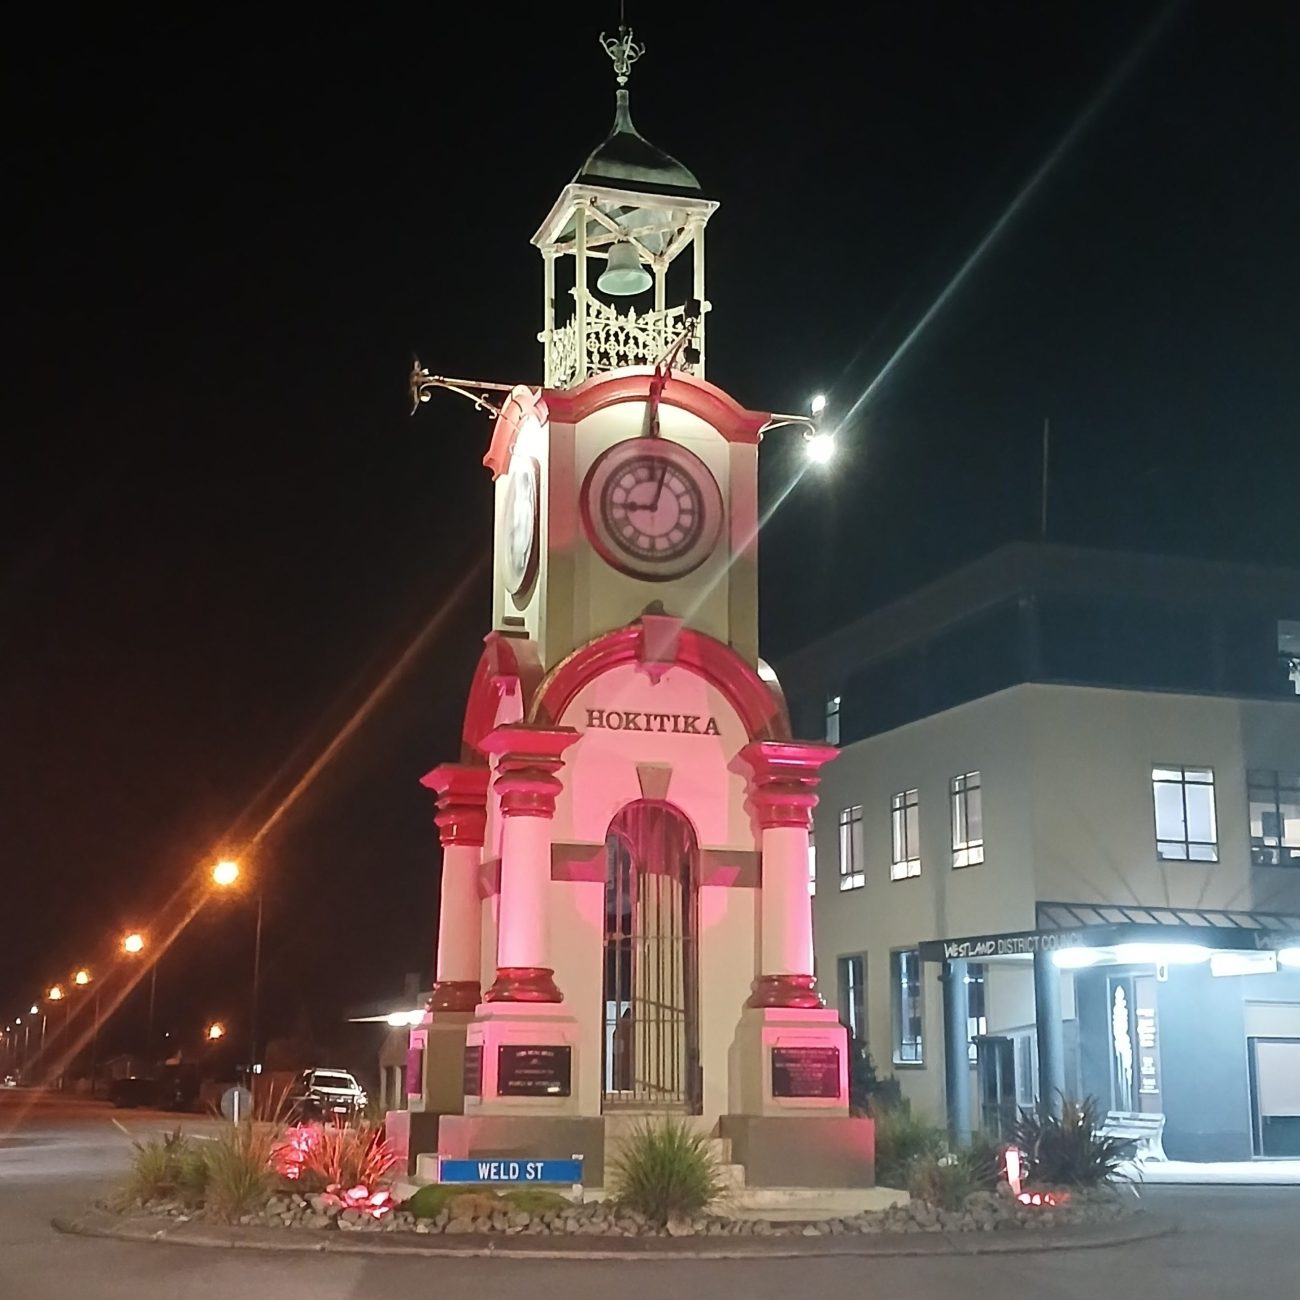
(56, 1154)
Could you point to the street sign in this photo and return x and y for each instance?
(511, 1171)
(236, 1103)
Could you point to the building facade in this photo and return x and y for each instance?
(1060, 851)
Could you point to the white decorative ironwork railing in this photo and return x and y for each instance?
(614, 340)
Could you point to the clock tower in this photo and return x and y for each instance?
(625, 921)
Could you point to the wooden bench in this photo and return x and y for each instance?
(1145, 1131)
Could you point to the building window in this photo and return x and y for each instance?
(1185, 824)
(812, 865)
(853, 871)
(1288, 651)
(833, 720)
(967, 820)
(1274, 818)
(905, 978)
(977, 1020)
(853, 995)
(906, 809)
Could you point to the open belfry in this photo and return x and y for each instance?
(626, 926)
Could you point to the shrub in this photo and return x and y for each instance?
(984, 1162)
(536, 1200)
(473, 1205)
(240, 1176)
(944, 1182)
(867, 1090)
(160, 1167)
(429, 1201)
(1069, 1150)
(664, 1170)
(901, 1139)
(320, 1156)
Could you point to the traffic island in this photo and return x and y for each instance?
(481, 1223)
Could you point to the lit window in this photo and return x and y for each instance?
(833, 720)
(967, 820)
(1288, 651)
(977, 1022)
(853, 872)
(1274, 818)
(853, 995)
(1185, 822)
(812, 865)
(906, 817)
(905, 978)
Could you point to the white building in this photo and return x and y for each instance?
(1061, 844)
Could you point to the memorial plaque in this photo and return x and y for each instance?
(806, 1072)
(534, 1071)
(473, 1071)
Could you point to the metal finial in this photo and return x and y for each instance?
(623, 50)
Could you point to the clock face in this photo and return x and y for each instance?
(518, 527)
(652, 509)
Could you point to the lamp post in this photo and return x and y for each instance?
(56, 994)
(133, 945)
(226, 875)
(83, 979)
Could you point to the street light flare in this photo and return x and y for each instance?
(225, 873)
(819, 448)
(216, 1030)
(81, 978)
(56, 993)
(133, 943)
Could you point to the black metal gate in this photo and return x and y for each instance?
(650, 1033)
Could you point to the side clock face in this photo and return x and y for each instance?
(652, 509)
(518, 527)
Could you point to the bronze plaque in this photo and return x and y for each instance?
(534, 1071)
(806, 1072)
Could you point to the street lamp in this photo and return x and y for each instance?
(81, 978)
(215, 1031)
(133, 945)
(225, 875)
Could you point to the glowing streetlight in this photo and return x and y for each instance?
(81, 978)
(819, 447)
(133, 943)
(35, 1011)
(818, 404)
(56, 993)
(225, 873)
(215, 1030)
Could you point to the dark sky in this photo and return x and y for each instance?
(219, 527)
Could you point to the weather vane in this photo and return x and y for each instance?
(624, 51)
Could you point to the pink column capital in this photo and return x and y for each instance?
(462, 802)
(528, 758)
(784, 775)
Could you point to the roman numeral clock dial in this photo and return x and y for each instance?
(652, 509)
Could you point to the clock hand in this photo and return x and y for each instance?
(659, 487)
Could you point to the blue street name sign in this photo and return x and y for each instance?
(510, 1171)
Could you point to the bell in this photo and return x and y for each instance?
(623, 274)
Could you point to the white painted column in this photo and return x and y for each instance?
(528, 758)
(461, 819)
(782, 794)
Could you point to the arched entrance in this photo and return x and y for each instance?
(650, 1033)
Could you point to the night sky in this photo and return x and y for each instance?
(219, 527)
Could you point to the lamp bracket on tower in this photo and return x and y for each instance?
(422, 384)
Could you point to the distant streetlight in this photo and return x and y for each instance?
(56, 993)
(133, 945)
(81, 978)
(35, 1011)
(215, 1030)
(224, 875)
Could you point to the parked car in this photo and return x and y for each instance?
(173, 1088)
(326, 1094)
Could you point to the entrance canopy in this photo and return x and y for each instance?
(1090, 934)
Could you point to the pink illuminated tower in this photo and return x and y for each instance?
(626, 924)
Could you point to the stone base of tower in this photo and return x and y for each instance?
(441, 1044)
(789, 1062)
(520, 1137)
(802, 1151)
(521, 1059)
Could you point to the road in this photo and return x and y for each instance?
(56, 1154)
